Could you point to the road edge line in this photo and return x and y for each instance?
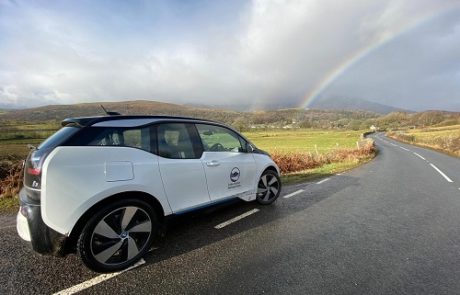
(293, 194)
(96, 280)
(235, 219)
(442, 173)
(323, 181)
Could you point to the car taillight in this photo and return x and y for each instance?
(33, 169)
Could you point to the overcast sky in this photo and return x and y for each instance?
(405, 53)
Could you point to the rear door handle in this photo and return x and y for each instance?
(212, 163)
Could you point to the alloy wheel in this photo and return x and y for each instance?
(121, 235)
(268, 188)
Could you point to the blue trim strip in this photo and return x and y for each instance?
(210, 204)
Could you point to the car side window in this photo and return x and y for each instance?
(116, 136)
(175, 141)
(218, 139)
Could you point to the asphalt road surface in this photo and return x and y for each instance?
(391, 226)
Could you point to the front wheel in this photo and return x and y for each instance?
(268, 188)
(118, 235)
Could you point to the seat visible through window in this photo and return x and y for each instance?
(174, 142)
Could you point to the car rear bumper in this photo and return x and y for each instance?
(32, 229)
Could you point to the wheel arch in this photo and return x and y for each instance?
(261, 172)
(272, 168)
(76, 230)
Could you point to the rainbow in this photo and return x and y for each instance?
(360, 54)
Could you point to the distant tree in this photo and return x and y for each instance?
(306, 124)
(241, 124)
(354, 124)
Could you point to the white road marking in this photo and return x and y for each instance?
(393, 144)
(96, 280)
(404, 148)
(235, 219)
(442, 173)
(322, 181)
(420, 156)
(293, 194)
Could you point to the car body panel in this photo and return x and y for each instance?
(184, 182)
(229, 173)
(75, 179)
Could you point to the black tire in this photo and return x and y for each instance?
(117, 236)
(268, 187)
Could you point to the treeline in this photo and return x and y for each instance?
(283, 118)
(399, 120)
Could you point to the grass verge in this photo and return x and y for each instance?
(442, 139)
(323, 171)
(9, 205)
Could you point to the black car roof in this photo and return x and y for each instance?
(88, 121)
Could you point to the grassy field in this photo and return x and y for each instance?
(16, 149)
(445, 139)
(15, 136)
(305, 154)
(304, 140)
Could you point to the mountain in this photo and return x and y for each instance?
(278, 118)
(354, 104)
(138, 107)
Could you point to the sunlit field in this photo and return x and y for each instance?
(304, 154)
(446, 138)
(304, 140)
(14, 138)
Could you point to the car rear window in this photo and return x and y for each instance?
(116, 136)
(58, 138)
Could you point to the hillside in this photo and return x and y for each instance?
(353, 104)
(58, 112)
(398, 120)
(282, 118)
(241, 120)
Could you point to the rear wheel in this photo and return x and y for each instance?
(268, 188)
(118, 235)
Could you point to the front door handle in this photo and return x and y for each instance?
(212, 163)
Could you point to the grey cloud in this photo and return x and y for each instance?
(276, 51)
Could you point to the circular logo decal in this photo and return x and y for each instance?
(235, 174)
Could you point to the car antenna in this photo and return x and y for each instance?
(110, 113)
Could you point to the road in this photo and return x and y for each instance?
(391, 226)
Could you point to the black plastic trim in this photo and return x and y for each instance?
(44, 240)
(88, 121)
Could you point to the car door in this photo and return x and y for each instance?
(230, 171)
(181, 169)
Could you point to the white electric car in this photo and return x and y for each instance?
(103, 186)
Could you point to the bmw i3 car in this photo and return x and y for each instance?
(103, 186)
